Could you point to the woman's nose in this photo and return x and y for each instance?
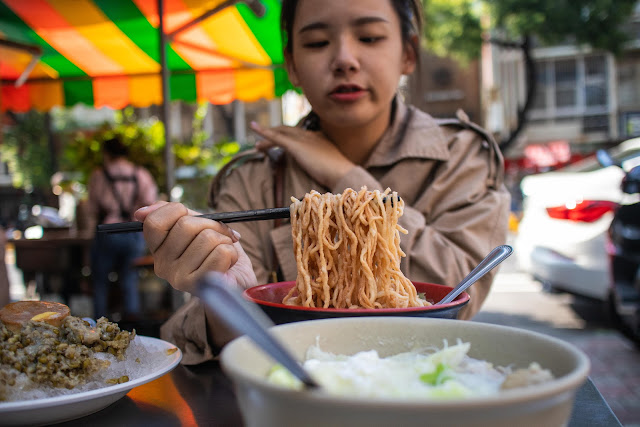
(345, 57)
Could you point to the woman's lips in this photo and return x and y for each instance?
(347, 93)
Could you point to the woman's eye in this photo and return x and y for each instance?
(316, 44)
(371, 39)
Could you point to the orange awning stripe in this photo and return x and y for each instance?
(6, 69)
(56, 31)
(46, 95)
(14, 62)
(232, 36)
(111, 92)
(105, 35)
(176, 15)
(217, 87)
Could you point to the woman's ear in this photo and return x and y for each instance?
(410, 55)
(291, 68)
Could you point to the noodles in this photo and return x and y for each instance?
(347, 249)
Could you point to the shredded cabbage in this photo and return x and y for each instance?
(437, 374)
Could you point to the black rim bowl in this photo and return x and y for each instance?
(269, 297)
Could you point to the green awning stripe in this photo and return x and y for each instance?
(130, 20)
(183, 87)
(78, 91)
(263, 28)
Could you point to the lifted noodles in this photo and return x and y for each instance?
(347, 248)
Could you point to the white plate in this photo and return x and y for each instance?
(72, 406)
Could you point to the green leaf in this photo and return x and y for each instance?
(436, 377)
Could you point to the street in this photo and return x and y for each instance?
(517, 300)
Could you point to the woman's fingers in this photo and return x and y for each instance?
(208, 251)
(273, 136)
(185, 246)
(191, 240)
(142, 213)
(159, 222)
(318, 156)
(165, 218)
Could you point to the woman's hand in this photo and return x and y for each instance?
(320, 158)
(185, 247)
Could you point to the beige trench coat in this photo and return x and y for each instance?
(456, 209)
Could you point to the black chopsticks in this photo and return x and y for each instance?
(252, 215)
(238, 216)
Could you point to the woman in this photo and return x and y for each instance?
(348, 58)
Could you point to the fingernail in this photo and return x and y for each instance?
(144, 208)
(236, 234)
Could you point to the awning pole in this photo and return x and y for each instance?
(35, 51)
(166, 97)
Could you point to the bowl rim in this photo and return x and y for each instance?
(460, 301)
(560, 385)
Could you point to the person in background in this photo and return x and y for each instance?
(348, 58)
(116, 191)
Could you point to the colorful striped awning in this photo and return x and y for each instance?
(107, 52)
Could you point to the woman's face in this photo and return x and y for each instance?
(348, 56)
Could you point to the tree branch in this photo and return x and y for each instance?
(531, 83)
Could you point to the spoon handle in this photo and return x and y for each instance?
(244, 318)
(495, 257)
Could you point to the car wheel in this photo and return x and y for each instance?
(612, 311)
(630, 328)
(548, 287)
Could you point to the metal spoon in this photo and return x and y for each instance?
(243, 317)
(494, 258)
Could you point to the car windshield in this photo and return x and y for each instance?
(627, 156)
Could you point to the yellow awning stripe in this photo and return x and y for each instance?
(105, 35)
(18, 61)
(145, 90)
(231, 35)
(198, 50)
(253, 84)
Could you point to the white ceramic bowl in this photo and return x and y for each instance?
(548, 404)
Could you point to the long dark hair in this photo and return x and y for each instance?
(409, 12)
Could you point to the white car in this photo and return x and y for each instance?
(563, 232)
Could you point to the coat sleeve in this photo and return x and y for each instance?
(459, 218)
(187, 330)
(244, 188)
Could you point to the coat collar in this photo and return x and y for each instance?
(412, 134)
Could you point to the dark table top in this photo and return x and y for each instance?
(203, 395)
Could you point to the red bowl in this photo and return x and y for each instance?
(269, 297)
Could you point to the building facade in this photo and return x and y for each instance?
(584, 99)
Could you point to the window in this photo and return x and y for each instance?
(595, 81)
(565, 76)
(629, 82)
(571, 88)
